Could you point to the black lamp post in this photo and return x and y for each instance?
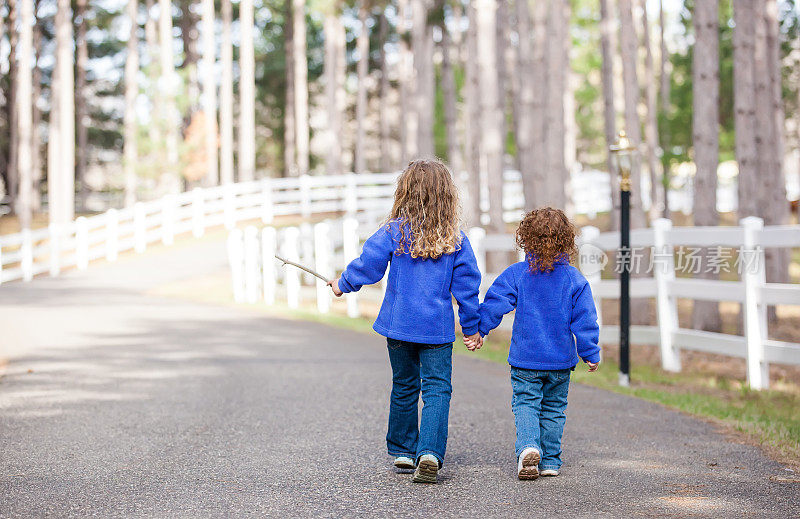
(622, 152)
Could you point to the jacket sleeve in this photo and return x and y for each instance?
(500, 299)
(371, 265)
(465, 286)
(583, 323)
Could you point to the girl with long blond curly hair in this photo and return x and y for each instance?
(430, 262)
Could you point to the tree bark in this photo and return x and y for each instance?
(333, 144)
(665, 100)
(289, 121)
(501, 29)
(81, 108)
(472, 128)
(247, 130)
(422, 45)
(169, 180)
(226, 96)
(301, 86)
(25, 114)
(36, 136)
(385, 131)
(651, 121)
(607, 43)
(64, 183)
(12, 169)
(449, 95)
(744, 105)
(188, 26)
(130, 151)
(523, 78)
(538, 143)
(362, 45)
(341, 90)
(155, 129)
(705, 131)
(408, 121)
(210, 94)
(557, 66)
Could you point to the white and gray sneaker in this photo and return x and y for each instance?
(404, 462)
(427, 469)
(548, 472)
(528, 463)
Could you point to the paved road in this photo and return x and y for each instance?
(116, 403)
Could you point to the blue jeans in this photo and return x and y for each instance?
(426, 368)
(539, 402)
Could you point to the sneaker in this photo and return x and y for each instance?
(404, 462)
(548, 472)
(427, 469)
(528, 464)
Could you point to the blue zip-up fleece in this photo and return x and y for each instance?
(418, 305)
(551, 308)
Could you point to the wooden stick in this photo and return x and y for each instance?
(301, 267)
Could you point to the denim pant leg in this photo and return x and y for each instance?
(553, 417)
(526, 403)
(436, 366)
(403, 434)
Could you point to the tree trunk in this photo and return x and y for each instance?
(523, 78)
(36, 135)
(81, 108)
(341, 91)
(408, 120)
(64, 182)
(539, 82)
(385, 132)
(607, 44)
(744, 105)
(3, 151)
(25, 114)
(301, 86)
(333, 144)
(651, 121)
(362, 45)
(169, 180)
(665, 101)
(156, 126)
(557, 67)
(501, 28)
(247, 124)
(472, 128)
(188, 26)
(210, 94)
(491, 116)
(629, 52)
(449, 95)
(130, 151)
(226, 96)
(289, 124)
(12, 169)
(705, 130)
(422, 44)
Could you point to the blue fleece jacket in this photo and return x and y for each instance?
(551, 308)
(418, 305)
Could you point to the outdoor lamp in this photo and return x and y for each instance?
(622, 154)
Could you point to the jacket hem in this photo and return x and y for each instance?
(541, 365)
(422, 339)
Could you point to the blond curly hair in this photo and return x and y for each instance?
(427, 208)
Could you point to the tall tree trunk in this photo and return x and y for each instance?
(301, 86)
(25, 114)
(539, 81)
(523, 78)
(607, 44)
(744, 105)
(155, 129)
(226, 96)
(473, 130)
(130, 123)
(341, 90)
(12, 169)
(408, 120)
(188, 26)
(385, 132)
(665, 100)
(333, 132)
(705, 130)
(289, 121)
(247, 121)
(651, 121)
(3, 151)
(36, 135)
(422, 45)
(629, 52)
(557, 65)
(491, 116)
(210, 94)
(169, 180)
(362, 45)
(501, 30)
(64, 189)
(449, 95)
(81, 108)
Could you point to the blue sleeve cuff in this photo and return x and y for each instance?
(344, 285)
(472, 330)
(593, 358)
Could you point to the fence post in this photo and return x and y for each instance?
(251, 274)
(350, 250)
(82, 245)
(305, 196)
(27, 255)
(112, 234)
(55, 249)
(590, 265)
(322, 264)
(476, 236)
(168, 219)
(291, 274)
(228, 199)
(268, 248)
(755, 313)
(139, 228)
(236, 260)
(666, 306)
(198, 212)
(267, 211)
(350, 195)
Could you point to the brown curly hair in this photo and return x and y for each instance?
(546, 235)
(426, 206)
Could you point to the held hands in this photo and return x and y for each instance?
(593, 366)
(473, 342)
(334, 284)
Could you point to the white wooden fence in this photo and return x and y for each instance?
(329, 245)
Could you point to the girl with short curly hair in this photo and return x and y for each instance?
(555, 325)
(430, 262)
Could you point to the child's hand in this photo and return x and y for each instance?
(593, 366)
(334, 284)
(473, 342)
